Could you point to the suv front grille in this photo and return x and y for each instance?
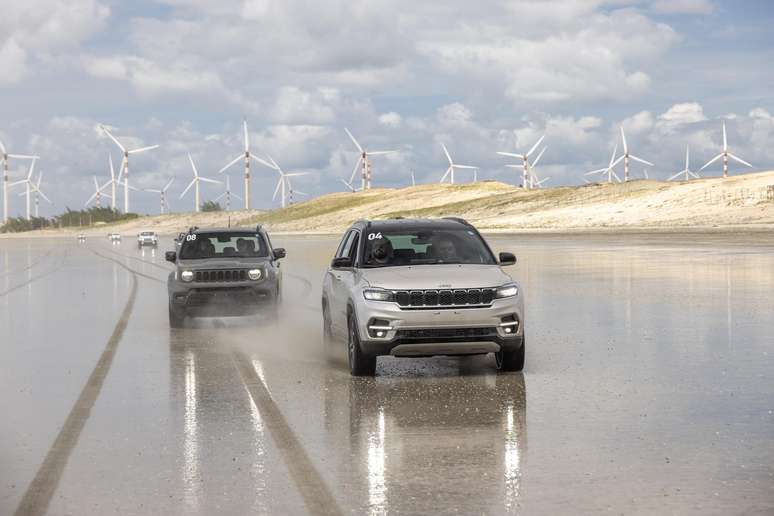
(419, 299)
(221, 276)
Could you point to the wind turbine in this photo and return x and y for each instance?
(290, 188)
(195, 181)
(364, 155)
(162, 193)
(349, 186)
(687, 170)
(626, 156)
(525, 179)
(246, 156)
(609, 169)
(39, 192)
(228, 194)
(27, 181)
(413, 181)
(725, 155)
(125, 164)
(450, 171)
(5, 176)
(97, 195)
(284, 177)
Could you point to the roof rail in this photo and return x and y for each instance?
(458, 219)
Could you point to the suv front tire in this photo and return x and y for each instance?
(360, 364)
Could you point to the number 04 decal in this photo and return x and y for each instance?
(374, 236)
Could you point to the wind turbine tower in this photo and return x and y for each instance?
(525, 176)
(725, 155)
(125, 164)
(365, 161)
(5, 176)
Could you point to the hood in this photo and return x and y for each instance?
(422, 277)
(222, 263)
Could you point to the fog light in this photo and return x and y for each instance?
(380, 334)
(508, 329)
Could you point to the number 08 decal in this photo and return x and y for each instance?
(189, 238)
(374, 236)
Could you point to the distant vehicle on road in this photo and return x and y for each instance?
(114, 237)
(224, 272)
(147, 238)
(421, 287)
(81, 238)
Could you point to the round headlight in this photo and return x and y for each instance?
(255, 274)
(187, 276)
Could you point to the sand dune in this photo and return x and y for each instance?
(745, 201)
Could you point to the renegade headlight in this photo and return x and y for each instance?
(187, 276)
(377, 294)
(508, 290)
(255, 274)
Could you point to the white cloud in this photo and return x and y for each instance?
(684, 7)
(678, 115)
(391, 119)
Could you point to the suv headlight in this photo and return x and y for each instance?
(255, 274)
(187, 276)
(508, 290)
(378, 294)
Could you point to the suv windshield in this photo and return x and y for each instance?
(147, 233)
(222, 245)
(421, 246)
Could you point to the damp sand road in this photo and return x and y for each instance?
(649, 388)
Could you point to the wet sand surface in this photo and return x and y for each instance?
(648, 389)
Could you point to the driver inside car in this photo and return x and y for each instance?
(445, 250)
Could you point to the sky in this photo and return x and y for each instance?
(480, 77)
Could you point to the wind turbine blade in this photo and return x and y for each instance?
(23, 156)
(515, 166)
(448, 170)
(529, 153)
(193, 166)
(151, 190)
(275, 166)
(20, 182)
(231, 163)
(616, 162)
(379, 153)
(220, 196)
(247, 136)
(676, 175)
(235, 195)
(354, 170)
(464, 166)
(725, 139)
(710, 162)
(208, 180)
(597, 171)
(540, 155)
(45, 197)
(740, 160)
(635, 158)
(695, 175)
(143, 149)
(612, 158)
(448, 156)
(169, 183)
(188, 187)
(354, 140)
(96, 185)
(687, 158)
(123, 149)
(299, 192)
(616, 176)
(263, 162)
(2, 148)
(93, 196)
(623, 137)
(112, 170)
(298, 174)
(511, 155)
(32, 169)
(276, 190)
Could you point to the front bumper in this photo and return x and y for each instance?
(222, 301)
(453, 331)
(147, 242)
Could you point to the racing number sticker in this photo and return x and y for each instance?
(375, 236)
(188, 238)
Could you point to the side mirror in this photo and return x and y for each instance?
(279, 252)
(342, 262)
(170, 256)
(507, 259)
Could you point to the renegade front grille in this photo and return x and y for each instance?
(418, 299)
(220, 276)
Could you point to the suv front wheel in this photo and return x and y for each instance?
(511, 360)
(360, 364)
(175, 320)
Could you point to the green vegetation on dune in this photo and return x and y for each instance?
(324, 205)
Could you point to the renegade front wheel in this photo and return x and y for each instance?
(360, 364)
(175, 320)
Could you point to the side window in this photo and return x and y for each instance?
(353, 247)
(348, 244)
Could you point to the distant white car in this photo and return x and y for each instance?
(81, 237)
(147, 238)
(114, 237)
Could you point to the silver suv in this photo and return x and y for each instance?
(147, 238)
(412, 288)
